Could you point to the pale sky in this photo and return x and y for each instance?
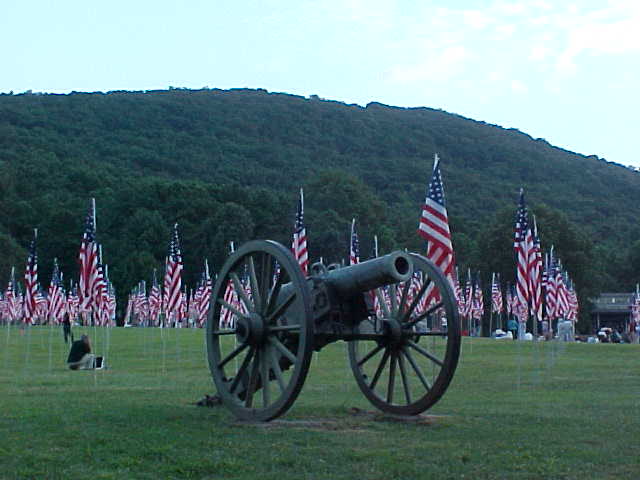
(565, 71)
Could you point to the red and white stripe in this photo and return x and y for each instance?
(299, 246)
(31, 282)
(522, 245)
(173, 277)
(434, 228)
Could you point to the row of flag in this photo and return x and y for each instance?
(91, 300)
(542, 288)
(156, 309)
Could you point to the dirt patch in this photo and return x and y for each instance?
(376, 416)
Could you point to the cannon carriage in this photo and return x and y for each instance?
(267, 319)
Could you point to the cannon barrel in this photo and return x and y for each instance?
(375, 273)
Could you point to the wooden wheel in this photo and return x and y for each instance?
(259, 331)
(409, 357)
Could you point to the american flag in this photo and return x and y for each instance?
(434, 228)
(572, 300)
(88, 263)
(535, 273)
(522, 248)
(635, 308)
(41, 304)
(478, 301)
(111, 310)
(227, 317)
(165, 288)
(12, 299)
(154, 300)
(299, 246)
(173, 276)
(354, 245)
(550, 290)
(468, 294)
(562, 302)
(31, 282)
(56, 300)
(142, 304)
(100, 293)
(204, 297)
(496, 294)
(509, 298)
(183, 310)
(129, 311)
(457, 289)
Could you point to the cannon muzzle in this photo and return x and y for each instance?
(375, 273)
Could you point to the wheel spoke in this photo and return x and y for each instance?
(276, 369)
(421, 350)
(291, 296)
(392, 378)
(381, 366)
(368, 356)
(274, 293)
(266, 270)
(424, 315)
(232, 355)
(253, 380)
(282, 349)
(264, 375)
(255, 288)
(224, 332)
(233, 309)
(416, 369)
(239, 288)
(241, 371)
(416, 300)
(405, 382)
(430, 334)
(284, 328)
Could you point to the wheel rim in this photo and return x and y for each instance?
(410, 364)
(259, 335)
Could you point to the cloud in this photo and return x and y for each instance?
(436, 66)
(612, 30)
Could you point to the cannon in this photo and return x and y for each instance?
(267, 318)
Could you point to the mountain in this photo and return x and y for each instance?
(227, 164)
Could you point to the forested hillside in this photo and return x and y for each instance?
(227, 165)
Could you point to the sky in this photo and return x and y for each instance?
(568, 72)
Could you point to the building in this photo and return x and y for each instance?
(612, 310)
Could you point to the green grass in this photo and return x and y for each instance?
(514, 410)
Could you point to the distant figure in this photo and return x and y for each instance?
(512, 326)
(66, 328)
(615, 336)
(80, 356)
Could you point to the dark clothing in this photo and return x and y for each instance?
(66, 329)
(79, 349)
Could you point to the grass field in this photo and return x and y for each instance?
(514, 410)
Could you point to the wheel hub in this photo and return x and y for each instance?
(251, 329)
(393, 331)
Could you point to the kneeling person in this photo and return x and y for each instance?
(80, 356)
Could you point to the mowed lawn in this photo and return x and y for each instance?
(514, 410)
